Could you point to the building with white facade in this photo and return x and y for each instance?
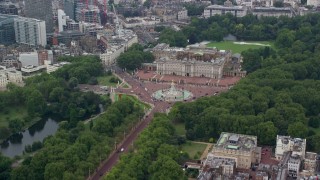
(272, 11)
(314, 3)
(8, 75)
(294, 164)
(285, 144)
(140, 21)
(242, 148)
(30, 31)
(182, 14)
(193, 61)
(113, 52)
(238, 11)
(29, 58)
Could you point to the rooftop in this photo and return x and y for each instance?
(236, 141)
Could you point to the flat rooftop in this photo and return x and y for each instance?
(236, 141)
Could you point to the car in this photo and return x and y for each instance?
(122, 149)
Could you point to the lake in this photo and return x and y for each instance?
(16, 143)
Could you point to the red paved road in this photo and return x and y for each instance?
(139, 88)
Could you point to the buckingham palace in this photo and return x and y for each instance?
(192, 61)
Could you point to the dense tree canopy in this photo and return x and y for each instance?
(134, 57)
(279, 96)
(71, 154)
(156, 156)
(54, 94)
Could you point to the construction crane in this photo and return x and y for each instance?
(105, 7)
(118, 26)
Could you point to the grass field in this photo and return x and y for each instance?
(134, 99)
(105, 81)
(238, 48)
(12, 113)
(180, 129)
(193, 148)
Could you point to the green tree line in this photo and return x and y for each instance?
(250, 28)
(154, 156)
(76, 152)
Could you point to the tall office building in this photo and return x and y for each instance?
(6, 29)
(30, 31)
(70, 8)
(40, 9)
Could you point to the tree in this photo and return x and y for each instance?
(73, 82)
(5, 167)
(16, 125)
(314, 122)
(298, 130)
(165, 168)
(54, 171)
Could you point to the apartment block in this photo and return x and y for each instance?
(30, 31)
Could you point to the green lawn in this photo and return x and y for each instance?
(193, 148)
(238, 48)
(105, 80)
(134, 99)
(12, 113)
(180, 129)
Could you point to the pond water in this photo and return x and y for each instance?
(16, 143)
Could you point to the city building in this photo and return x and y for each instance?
(53, 67)
(237, 11)
(40, 9)
(285, 144)
(310, 162)
(8, 8)
(30, 31)
(242, 148)
(29, 58)
(112, 53)
(7, 36)
(8, 75)
(140, 21)
(45, 55)
(91, 14)
(272, 11)
(217, 166)
(182, 14)
(294, 164)
(193, 61)
(11, 61)
(69, 7)
(32, 70)
(314, 3)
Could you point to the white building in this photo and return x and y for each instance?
(3, 80)
(314, 3)
(30, 31)
(140, 21)
(111, 55)
(62, 19)
(29, 58)
(238, 11)
(294, 164)
(9, 75)
(286, 143)
(272, 11)
(182, 14)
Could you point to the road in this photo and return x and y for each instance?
(137, 89)
(144, 92)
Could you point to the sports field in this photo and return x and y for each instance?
(239, 46)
